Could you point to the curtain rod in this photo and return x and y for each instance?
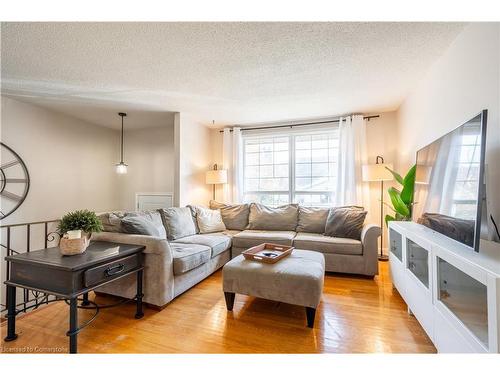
(300, 124)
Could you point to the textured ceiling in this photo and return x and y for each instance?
(227, 72)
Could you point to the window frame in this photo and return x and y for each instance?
(291, 134)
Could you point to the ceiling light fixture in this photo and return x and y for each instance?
(121, 167)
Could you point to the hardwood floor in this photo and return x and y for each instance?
(356, 315)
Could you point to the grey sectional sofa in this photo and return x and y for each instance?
(172, 266)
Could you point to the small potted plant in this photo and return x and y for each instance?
(75, 229)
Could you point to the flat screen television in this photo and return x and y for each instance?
(449, 195)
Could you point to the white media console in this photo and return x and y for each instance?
(453, 291)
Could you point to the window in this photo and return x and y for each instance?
(294, 167)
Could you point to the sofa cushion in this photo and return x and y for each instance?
(235, 217)
(312, 219)
(140, 225)
(188, 256)
(218, 242)
(273, 218)
(345, 222)
(178, 222)
(249, 238)
(327, 245)
(208, 221)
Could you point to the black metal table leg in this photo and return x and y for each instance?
(73, 325)
(11, 313)
(85, 301)
(138, 298)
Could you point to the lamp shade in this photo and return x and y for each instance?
(218, 176)
(377, 172)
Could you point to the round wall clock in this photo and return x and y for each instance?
(14, 181)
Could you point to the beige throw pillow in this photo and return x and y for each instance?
(209, 221)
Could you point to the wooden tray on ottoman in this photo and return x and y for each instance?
(257, 253)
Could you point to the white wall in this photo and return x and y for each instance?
(193, 157)
(70, 162)
(149, 153)
(463, 81)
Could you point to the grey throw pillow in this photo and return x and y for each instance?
(270, 218)
(234, 216)
(140, 225)
(178, 222)
(345, 222)
(113, 221)
(312, 219)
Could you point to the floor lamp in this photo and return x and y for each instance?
(216, 176)
(379, 173)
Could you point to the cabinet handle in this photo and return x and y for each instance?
(114, 270)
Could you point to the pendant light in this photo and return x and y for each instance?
(121, 167)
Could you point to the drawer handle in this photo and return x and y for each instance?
(114, 270)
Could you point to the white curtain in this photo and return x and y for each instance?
(232, 156)
(351, 190)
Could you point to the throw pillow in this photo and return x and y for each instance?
(234, 216)
(140, 225)
(209, 221)
(312, 219)
(270, 218)
(153, 217)
(111, 221)
(345, 222)
(178, 222)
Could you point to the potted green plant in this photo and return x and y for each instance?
(75, 229)
(402, 200)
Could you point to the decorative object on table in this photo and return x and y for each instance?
(379, 172)
(121, 167)
(14, 181)
(75, 229)
(216, 176)
(267, 253)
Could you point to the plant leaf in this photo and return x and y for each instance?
(396, 175)
(408, 186)
(389, 218)
(398, 203)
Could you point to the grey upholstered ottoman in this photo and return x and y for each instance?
(296, 279)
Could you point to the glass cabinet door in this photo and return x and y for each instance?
(417, 261)
(396, 244)
(465, 297)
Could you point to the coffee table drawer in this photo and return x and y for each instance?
(111, 270)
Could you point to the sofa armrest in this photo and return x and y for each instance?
(370, 235)
(158, 269)
(369, 239)
(154, 245)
